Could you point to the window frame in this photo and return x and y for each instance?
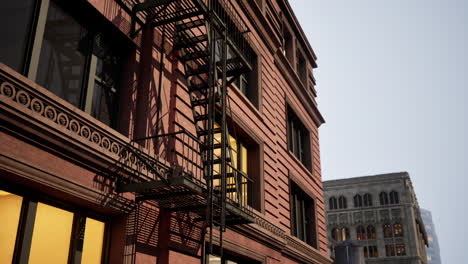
(31, 199)
(298, 135)
(308, 232)
(36, 39)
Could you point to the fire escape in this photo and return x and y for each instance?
(211, 42)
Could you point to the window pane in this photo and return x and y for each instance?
(62, 59)
(103, 102)
(15, 18)
(10, 209)
(51, 235)
(93, 241)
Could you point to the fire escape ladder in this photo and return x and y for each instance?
(209, 39)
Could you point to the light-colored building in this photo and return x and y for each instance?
(379, 211)
(433, 250)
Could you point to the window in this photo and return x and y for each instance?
(361, 233)
(370, 252)
(387, 230)
(244, 157)
(367, 199)
(394, 199)
(398, 230)
(248, 83)
(288, 48)
(332, 203)
(340, 234)
(16, 39)
(301, 67)
(55, 235)
(400, 250)
(342, 202)
(371, 234)
(303, 216)
(389, 250)
(298, 139)
(80, 64)
(10, 209)
(77, 59)
(383, 198)
(357, 200)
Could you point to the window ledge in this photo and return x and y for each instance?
(308, 171)
(246, 101)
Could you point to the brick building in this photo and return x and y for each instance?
(169, 131)
(380, 212)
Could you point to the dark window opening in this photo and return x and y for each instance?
(370, 252)
(301, 67)
(367, 200)
(361, 233)
(371, 234)
(394, 199)
(288, 46)
(389, 250)
(357, 200)
(81, 63)
(298, 139)
(332, 203)
(303, 216)
(17, 19)
(342, 202)
(383, 198)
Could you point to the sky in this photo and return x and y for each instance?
(392, 83)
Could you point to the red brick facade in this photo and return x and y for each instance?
(50, 148)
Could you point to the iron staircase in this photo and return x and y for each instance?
(211, 43)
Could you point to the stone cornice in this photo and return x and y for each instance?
(32, 108)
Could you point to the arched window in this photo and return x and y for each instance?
(387, 230)
(360, 233)
(342, 202)
(394, 199)
(344, 234)
(367, 199)
(332, 203)
(371, 234)
(398, 230)
(383, 198)
(340, 234)
(357, 200)
(366, 253)
(335, 233)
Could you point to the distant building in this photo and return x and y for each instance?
(433, 250)
(382, 213)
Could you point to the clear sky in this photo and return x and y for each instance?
(392, 86)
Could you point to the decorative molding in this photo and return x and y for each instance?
(33, 107)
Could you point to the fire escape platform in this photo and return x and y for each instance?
(184, 193)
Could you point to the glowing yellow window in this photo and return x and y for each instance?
(93, 241)
(51, 235)
(10, 209)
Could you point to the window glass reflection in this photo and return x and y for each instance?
(62, 60)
